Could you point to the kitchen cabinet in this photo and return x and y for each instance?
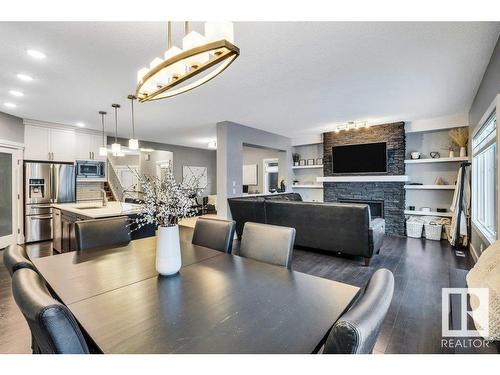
(47, 143)
(62, 145)
(36, 143)
(87, 146)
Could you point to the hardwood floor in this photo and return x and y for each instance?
(413, 324)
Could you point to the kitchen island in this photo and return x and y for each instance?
(67, 214)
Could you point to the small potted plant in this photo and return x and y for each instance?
(165, 203)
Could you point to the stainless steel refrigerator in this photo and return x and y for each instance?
(44, 184)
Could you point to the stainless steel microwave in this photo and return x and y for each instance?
(90, 169)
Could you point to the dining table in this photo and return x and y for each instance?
(216, 303)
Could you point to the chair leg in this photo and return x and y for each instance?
(378, 252)
(367, 261)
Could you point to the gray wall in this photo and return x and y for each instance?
(185, 156)
(230, 140)
(255, 155)
(488, 89)
(486, 93)
(11, 128)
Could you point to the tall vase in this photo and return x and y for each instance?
(463, 151)
(168, 250)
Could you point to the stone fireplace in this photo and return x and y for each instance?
(385, 197)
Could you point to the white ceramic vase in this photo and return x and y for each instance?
(463, 152)
(168, 250)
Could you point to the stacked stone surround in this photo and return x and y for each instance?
(392, 193)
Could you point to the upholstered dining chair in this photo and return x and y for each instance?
(15, 258)
(214, 234)
(52, 325)
(102, 232)
(268, 243)
(357, 330)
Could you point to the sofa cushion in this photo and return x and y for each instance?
(295, 197)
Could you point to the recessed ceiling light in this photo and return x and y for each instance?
(80, 124)
(36, 54)
(10, 105)
(16, 93)
(24, 77)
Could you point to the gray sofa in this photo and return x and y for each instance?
(336, 227)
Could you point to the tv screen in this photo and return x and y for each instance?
(362, 158)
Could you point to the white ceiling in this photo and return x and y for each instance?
(291, 78)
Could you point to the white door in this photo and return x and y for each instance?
(62, 144)
(10, 186)
(82, 146)
(96, 141)
(36, 143)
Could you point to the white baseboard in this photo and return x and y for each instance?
(475, 253)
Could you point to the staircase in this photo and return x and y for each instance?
(109, 193)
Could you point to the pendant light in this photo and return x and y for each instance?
(133, 144)
(103, 150)
(116, 148)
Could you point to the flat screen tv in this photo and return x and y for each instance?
(361, 158)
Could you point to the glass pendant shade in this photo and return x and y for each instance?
(192, 40)
(141, 73)
(133, 144)
(219, 30)
(103, 151)
(116, 148)
(176, 70)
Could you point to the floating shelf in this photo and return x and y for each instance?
(306, 166)
(437, 160)
(363, 178)
(429, 213)
(430, 187)
(307, 186)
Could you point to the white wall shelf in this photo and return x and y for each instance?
(307, 166)
(428, 213)
(430, 187)
(438, 160)
(371, 178)
(307, 187)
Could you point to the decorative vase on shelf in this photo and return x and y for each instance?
(452, 154)
(463, 152)
(168, 250)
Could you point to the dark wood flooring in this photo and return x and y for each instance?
(413, 324)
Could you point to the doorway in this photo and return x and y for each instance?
(271, 175)
(11, 174)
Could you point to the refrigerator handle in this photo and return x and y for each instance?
(51, 183)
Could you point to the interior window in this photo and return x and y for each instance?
(484, 181)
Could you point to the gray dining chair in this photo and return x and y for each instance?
(52, 325)
(357, 330)
(15, 258)
(97, 233)
(268, 243)
(214, 234)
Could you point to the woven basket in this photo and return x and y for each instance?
(433, 231)
(414, 229)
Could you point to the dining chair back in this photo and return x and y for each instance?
(15, 258)
(214, 234)
(268, 243)
(357, 330)
(106, 232)
(51, 323)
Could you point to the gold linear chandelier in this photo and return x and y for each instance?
(201, 58)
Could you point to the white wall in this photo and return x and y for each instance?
(255, 155)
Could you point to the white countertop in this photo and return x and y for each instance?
(95, 210)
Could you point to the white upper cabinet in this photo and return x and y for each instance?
(82, 148)
(62, 145)
(95, 143)
(59, 144)
(36, 143)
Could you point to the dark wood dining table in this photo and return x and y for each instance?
(217, 303)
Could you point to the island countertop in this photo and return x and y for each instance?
(95, 210)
